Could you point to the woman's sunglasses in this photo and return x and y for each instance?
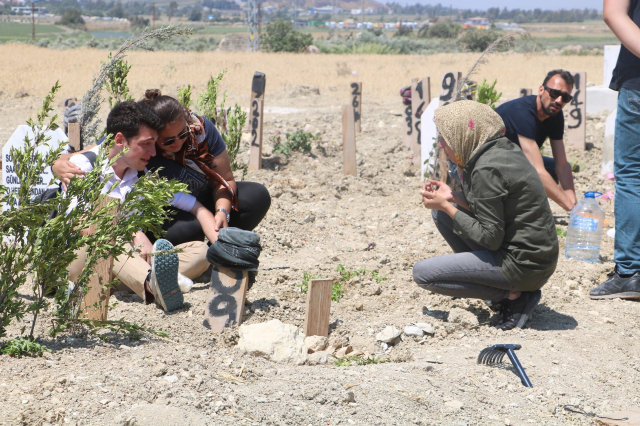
(555, 93)
(180, 136)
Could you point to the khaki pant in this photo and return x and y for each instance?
(133, 271)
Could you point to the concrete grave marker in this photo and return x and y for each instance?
(448, 87)
(356, 101)
(420, 95)
(348, 141)
(525, 92)
(428, 134)
(9, 177)
(611, 53)
(316, 320)
(576, 123)
(74, 136)
(225, 304)
(256, 114)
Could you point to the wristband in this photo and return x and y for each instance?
(226, 213)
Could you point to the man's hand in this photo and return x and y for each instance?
(220, 221)
(65, 170)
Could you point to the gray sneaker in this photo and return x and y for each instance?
(164, 277)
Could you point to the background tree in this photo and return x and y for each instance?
(173, 6)
(280, 36)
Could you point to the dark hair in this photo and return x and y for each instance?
(168, 109)
(126, 118)
(566, 76)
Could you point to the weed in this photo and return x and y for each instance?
(561, 232)
(342, 362)
(21, 346)
(350, 360)
(298, 141)
(184, 96)
(304, 286)
(336, 292)
(488, 94)
(576, 166)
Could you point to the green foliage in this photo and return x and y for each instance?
(403, 31)
(280, 36)
(351, 360)
(138, 22)
(230, 122)
(477, 40)
(488, 94)
(576, 166)
(304, 286)
(195, 16)
(442, 29)
(346, 275)
(116, 82)
(72, 18)
(336, 292)
(45, 248)
(106, 330)
(562, 233)
(298, 141)
(184, 96)
(23, 346)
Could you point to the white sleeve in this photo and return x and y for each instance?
(82, 162)
(183, 201)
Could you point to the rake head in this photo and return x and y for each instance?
(494, 354)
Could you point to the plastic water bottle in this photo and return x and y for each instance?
(585, 229)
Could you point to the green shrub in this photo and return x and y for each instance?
(280, 36)
(442, 29)
(488, 94)
(21, 346)
(138, 22)
(477, 40)
(72, 18)
(195, 16)
(403, 31)
(298, 141)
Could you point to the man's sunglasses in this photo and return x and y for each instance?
(555, 93)
(180, 136)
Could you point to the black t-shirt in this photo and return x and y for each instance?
(520, 118)
(627, 71)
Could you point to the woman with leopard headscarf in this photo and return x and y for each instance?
(500, 226)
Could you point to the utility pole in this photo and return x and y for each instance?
(33, 22)
(362, 15)
(253, 26)
(153, 16)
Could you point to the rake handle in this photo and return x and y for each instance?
(516, 363)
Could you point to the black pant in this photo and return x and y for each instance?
(253, 203)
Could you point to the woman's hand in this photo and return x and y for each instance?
(207, 220)
(443, 189)
(432, 199)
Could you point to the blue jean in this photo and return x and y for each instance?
(626, 168)
(550, 167)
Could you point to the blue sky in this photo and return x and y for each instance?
(513, 4)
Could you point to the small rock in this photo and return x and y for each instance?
(343, 351)
(463, 317)
(609, 321)
(455, 404)
(388, 335)
(348, 397)
(315, 343)
(427, 328)
(104, 401)
(274, 340)
(159, 370)
(320, 357)
(381, 124)
(413, 331)
(359, 306)
(394, 215)
(571, 284)
(171, 379)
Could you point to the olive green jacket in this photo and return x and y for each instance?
(511, 215)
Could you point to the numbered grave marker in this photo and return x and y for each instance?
(420, 98)
(525, 92)
(255, 153)
(316, 319)
(448, 87)
(407, 131)
(348, 141)
(256, 115)
(577, 133)
(356, 101)
(225, 305)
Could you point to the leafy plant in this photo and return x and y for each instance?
(184, 95)
(476, 40)
(229, 122)
(346, 275)
(403, 31)
(116, 82)
(350, 360)
(280, 36)
(488, 95)
(442, 29)
(304, 286)
(576, 166)
(298, 141)
(21, 346)
(562, 233)
(336, 292)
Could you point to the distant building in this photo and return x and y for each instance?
(325, 10)
(477, 22)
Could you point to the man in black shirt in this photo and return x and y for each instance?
(623, 17)
(530, 120)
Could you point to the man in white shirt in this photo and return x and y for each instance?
(150, 275)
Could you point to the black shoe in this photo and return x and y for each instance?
(494, 306)
(617, 286)
(515, 313)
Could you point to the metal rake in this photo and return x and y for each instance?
(494, 355)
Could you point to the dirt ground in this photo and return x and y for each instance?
(576, 351)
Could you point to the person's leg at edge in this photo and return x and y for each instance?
(624, 282)
(550, 167)
(458, 243)
(253, 204)
(475, 275)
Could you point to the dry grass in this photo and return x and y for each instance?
(34, 70)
